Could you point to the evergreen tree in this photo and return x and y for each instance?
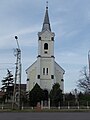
(70, 97)
(56, 95)
(7, 85)
(35, 95)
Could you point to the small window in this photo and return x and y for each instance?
(62, 80)
(52, 38)
(46, 46)
(45, 52)
(43, 71)
(52, 76)
(39, 56)
(38, 76)
(28, 79)
(47, 71)
(52, 56)
(39, 38)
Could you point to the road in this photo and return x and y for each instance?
(45, 116)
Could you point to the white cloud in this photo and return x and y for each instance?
(71, 58)
(8, 40)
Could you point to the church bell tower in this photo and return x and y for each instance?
(45, 59)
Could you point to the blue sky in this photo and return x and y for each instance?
(70, 20)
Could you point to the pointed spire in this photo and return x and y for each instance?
(46, 23)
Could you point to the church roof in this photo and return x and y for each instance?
(60, 68)
(31, 66)
(46, 23)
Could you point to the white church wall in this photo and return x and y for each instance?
(46, 63)
(46, 84)
(46, 35)
(32, 78)
(31, 75)
(59, 75)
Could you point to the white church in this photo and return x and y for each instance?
(45, 71)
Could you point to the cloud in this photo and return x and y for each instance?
(71, 58)
(6, 41)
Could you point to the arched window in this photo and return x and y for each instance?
(46, 46)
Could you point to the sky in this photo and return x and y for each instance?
(70, 21)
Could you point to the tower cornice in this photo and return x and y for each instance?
(52, 33)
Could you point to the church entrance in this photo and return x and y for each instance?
(45, 100)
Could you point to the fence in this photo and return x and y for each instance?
(42, 107)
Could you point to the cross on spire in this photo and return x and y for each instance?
(46, 23)
(47, 5)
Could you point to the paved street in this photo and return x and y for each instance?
(45, 116)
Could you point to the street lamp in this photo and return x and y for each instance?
(17, 82)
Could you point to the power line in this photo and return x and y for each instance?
(7, 63)
(89, 62)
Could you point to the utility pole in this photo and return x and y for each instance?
(17, 81)
(89, 66)
(89, 62)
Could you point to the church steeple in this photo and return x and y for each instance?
(46, 23)
(45, 71)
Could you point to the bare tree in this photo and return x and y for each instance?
(84, 82)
